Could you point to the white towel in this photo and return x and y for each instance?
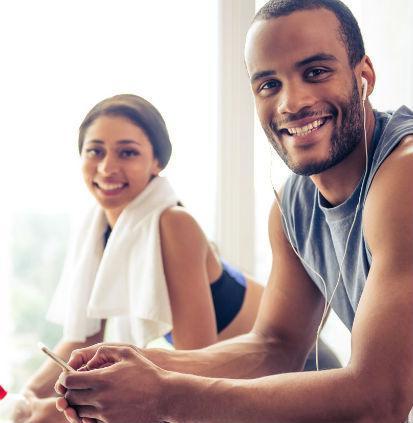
(410, 417)
(125, 281)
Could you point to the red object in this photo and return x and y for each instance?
(3, 392)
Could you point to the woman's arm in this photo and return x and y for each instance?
(39, 390)
(184, 254)
(42, 382)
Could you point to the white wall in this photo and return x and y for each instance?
(59, 58)
(235, 189)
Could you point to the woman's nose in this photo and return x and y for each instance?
(108, 165)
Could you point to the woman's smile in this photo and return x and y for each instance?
(110, 188)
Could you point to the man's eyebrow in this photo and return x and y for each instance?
(320, 57)
(262, 74)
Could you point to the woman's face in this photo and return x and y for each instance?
(117, 162)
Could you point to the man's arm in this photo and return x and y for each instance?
(282, 336)
(289, 315)
(377, 385)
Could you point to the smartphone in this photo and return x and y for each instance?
(55, 358)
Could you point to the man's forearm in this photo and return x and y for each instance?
(328, 396)
(247, 356)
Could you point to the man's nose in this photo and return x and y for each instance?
(295, 97)
(108, 165)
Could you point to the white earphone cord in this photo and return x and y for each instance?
(327, 303)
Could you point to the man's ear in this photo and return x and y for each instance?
(366, 71)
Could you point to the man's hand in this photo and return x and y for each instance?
(80, 357)
(69, 413)
(120, 385)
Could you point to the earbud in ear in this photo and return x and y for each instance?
(364, 86)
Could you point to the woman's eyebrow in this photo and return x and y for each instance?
(127, 141)
(94, 141)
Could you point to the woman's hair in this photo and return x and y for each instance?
(141, 113)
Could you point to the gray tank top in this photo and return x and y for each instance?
(319, 232)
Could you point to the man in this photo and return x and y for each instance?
(350, 221)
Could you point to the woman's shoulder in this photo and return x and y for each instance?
(176, 215)
(177, 223)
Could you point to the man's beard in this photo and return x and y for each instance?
(344, 140)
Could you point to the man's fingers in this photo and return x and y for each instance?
(59, 388)
(80, 397)
(80, 357)
(107, 355)
(71, 415)
(61, 404)
(87, 411)
(78, 380)
(69, 412)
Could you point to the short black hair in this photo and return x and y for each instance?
(349, 29)
(140, 112)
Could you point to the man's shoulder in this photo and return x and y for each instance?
(400, 159)
(407, 143)
(299, 198)
(399, 123)
(396, 135)
(298, 188)
(392, 181)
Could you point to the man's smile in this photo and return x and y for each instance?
(306, 129)
(303, 127)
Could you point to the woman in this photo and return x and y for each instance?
(140, 259)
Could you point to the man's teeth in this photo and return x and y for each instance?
(306, 129)
(109, 187)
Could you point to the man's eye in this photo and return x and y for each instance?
(315, 73)
(129, 153)
(269, 85)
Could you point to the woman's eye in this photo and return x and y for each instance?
(129, 153)
(93, 152)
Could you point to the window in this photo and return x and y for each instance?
(59, 59)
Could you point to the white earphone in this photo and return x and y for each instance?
(327, 304)
(364, 85)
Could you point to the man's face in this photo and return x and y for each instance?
(305, 91)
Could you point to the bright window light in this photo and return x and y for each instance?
(58, 60)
